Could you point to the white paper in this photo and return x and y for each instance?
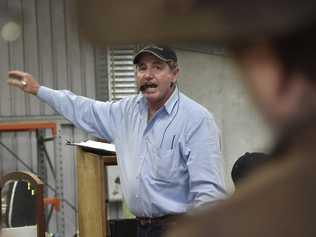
(26, 231)
(95, 145)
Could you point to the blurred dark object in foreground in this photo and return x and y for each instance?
(278, 201)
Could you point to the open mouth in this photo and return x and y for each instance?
(144, 87)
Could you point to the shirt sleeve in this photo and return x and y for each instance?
(95, 117)
(204, 162)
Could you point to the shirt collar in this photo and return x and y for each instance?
(142, 102)
(172, 100)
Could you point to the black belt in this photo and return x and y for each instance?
(157, 220)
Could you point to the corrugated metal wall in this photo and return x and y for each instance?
(51, 49)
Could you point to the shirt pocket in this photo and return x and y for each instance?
(165, 164)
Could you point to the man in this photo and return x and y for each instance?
(279, 68)
(167, 145)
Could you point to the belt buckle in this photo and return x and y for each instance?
(145, 221)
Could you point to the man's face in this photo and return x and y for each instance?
(154, 78)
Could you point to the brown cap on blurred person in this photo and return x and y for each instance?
(165, 21)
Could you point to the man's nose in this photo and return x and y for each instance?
(148, 74)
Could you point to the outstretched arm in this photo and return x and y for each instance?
(95, 117)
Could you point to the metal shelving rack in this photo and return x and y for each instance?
(43, 158)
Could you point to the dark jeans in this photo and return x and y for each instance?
(151, 230)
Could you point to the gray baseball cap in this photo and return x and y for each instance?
(164, 53)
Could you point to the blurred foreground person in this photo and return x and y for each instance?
(280, 71)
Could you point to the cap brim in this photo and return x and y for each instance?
(187, 20)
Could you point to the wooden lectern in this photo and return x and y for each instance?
(91, 191)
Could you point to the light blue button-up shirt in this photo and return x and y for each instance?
(168, 164)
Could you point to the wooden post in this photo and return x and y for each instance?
(91, 194)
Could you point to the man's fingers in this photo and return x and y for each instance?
(16, 82)
(17, 74)
(16, 78)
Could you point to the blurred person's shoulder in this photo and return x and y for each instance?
(278, 200)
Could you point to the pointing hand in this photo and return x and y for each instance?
(24, 81)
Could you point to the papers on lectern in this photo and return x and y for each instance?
(101, 148)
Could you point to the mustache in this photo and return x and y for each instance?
(147, 85)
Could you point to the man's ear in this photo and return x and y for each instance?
(295, 88)
(266, 63)
(277, 91)
(287, 86)
(262, 68)
(176, 71)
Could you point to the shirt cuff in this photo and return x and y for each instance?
(44, 93)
